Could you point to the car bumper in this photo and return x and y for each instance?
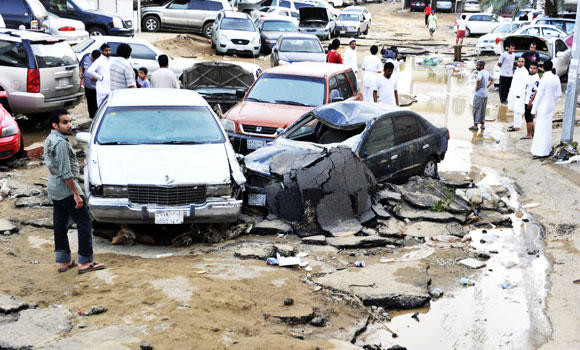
(24, 102)
(320, 33)
(121, 211)
(487, 47)
(121, 31)
(9, 146)
(346, 32)
(245, 144)
(239, 49)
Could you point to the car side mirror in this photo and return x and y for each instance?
(83, 137)
(240, 93)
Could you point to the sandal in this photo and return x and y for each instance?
(525, 138)
(94, 266)
(473, 128)
(68, 267)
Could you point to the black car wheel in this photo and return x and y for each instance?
(207, 29)
(151, 24)
(430, 168)
(96, 31)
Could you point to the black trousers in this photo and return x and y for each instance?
(504, 88)
(426, 19)
(91, 95)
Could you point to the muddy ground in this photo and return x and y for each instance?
(205, 297)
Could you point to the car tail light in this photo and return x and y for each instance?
(497, 40)
(67, 29)
(448, 135)
(33, 81)
(34, 24)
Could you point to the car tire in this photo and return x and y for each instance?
(212, 44)
(96, 31)
(20, 153)
(357, 33)
(429, 169)
(467, 32)
(151, 24)
(207, 29)
(367, 30)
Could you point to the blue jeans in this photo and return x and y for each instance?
(64, 209)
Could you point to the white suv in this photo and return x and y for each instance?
(235, 33)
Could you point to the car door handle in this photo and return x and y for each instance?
(425, 146)
(395, 156)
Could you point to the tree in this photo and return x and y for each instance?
(550, 6)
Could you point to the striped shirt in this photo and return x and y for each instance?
(122, 75)
(62, 164)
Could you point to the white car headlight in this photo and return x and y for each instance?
(229, 125)
(9, 130)
(115, 191)
(117, 22)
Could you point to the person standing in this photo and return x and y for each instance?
(483, 82)
(372, 67)
(506, 63)
(67, 197)
(333, 56)
(517, 94)
(88, 83)
(427, 12)
(531, 56)
(164, 77)
(549, 90)
(531, 88)
(350, 56)
(99, 72)
(386, 87)
(461, 28)
(142, 80)
(432, 23)
(122, 74)
(372, 62)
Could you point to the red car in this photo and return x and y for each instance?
(10, 137)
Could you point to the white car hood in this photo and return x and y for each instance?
(154, 164)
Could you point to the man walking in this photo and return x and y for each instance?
(88, 83)
(531, 56)
(483, 82)
(350, 57)
(432, 23)
(549, 90)
(517, 94)
(386, 87)
(122, 74)
(372, 62)
(164, 77)
(531, 88)
(461, 27)
(506, 63)
(99, 72)
(427, 12)
(67, 197)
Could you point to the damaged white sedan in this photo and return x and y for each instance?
(160, 156)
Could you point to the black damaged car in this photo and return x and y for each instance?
(393, 143)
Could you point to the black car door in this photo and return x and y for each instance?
(379, 152)
(407, 139)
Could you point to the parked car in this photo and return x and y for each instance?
(350, 23)
(317, 21)
(29, 13)
(235, 33)
(490, 42)
(219, 82)
(96, 21)
(471, 6)
(11, 143)
(554, 49)
(143, 54)
(281, 95)
(444, 6)
(39, 72)
(272, 28)
(71, 30)
(359, 9)
(160, 156)
(248, 6)
(530, 13)
(196, 15)
(418, 6)
(292, 48)
(478, 23)
(274, 12)
(564, 24)
(392, 142)
(541, 30)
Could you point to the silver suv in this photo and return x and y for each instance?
(39, 72)
(198, 15)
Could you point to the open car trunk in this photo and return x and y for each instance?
(313, 17)
(218, 82)
(522, 43)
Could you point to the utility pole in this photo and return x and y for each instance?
(572, 87)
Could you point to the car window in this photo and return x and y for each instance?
(532, 31)
(113, 46)
(178, 5)
(242, 24)
(302, 129)
(214, 6)
(381, 136)
(550, 32)
(348, 17)
(352, 79)
(158, 125)
(285, 4)
(561, 46)
(142, 52)
(11, 7)
(406, 128)
(301, 45)
(278, 26)
(344, 86)
(197, 5)
(50, 55)
(569, 27)
(299, 5)
(12, 54)
(275, 88)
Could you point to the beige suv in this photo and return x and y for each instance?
(39, 72)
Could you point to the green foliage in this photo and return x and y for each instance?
(550, 6)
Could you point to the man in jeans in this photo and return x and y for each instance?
(483, 82)
(88, 83)
(67, 197)
(506, 65)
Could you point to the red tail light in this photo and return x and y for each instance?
(497, 40)
(67, 29)
(448, 135)
(33, 81)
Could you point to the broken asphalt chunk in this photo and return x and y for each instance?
(10, 304)
(424, 192)
(354, 242)
(403, 210)
(314, 240)
(271, 227)
(7, 228)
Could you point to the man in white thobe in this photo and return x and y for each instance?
(349, 57)
(548, 92)
(372, 67)
(517, 94)
(99, 72)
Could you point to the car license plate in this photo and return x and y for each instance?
(63, 82)
(169, 217)
(342, 32)
(257, 199)
(255, 144)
